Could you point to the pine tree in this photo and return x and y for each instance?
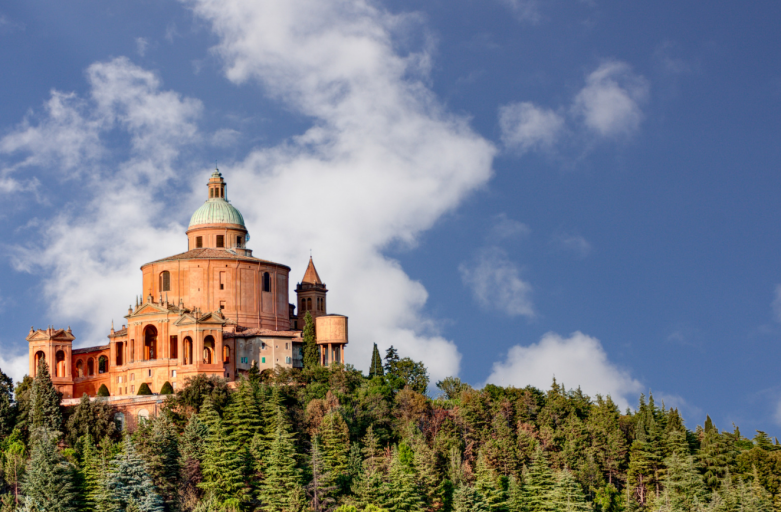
(209, 416)
(375, 369)
(158, 445)
(515, 496)
(44, 402)
(567, 493)
(368, 489)
(48, 482)
(466, 499)
(715, 454)
(191, 453)
(130, 484)
(684, 486)
(90, 418)
(608, 445)
(281, 488)
(335, 441)
(539, 484)
(223, 470)
(319, 492)
(488, 486)
(311, 355)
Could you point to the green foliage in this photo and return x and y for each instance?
(311, 354)
(129, 482)
(143, 389)
(167, 389)
(48, 482)
(93, 418)
(375, 368)
(7, 408)
(103, 391)
(44, 402)
(452, 387)
(405, 372)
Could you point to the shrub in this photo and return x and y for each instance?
(144, 389)
(103, 391)
(167, 389)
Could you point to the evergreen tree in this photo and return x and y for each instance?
(715, 454)
(335, 443)
(23, 395)
(368, 489)
(311, 354)
(13, 454)
(281, 488)
(191, 453)
(567, 494)
(608, 444)
(143, 389)
(44, 402)
(466, 499)
(7, 409)
(223, 470)
(90, 418)
(208, 416)
(103, 391)
(130, 484)
(515, 496)
(254, 375)
(488, 486)
(684, 487)
(158, 444)
(167, 389)
(375, 369)
(539, 484)
(318, 491)
(48, 482)
(401, 491)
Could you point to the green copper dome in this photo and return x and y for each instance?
(216, 211)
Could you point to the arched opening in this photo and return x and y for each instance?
(226, 354)
(173, 349)
(119, 421)
(80, 368)
(90, 366)
(120, 353)
(132, 355)
(39, 356)
(266, 282)
(143, 415)
(208, 349)
(102, 364)
(59, 364)
(309, 304)
(188, 350)
(150, 343)
(165, 281)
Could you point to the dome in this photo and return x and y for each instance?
(216, 211)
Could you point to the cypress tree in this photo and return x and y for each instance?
(311, 356)
(44, 402)
(223, 470)
(167, 389)
(143, 389)
(130, 484)
(375, 369)
(103, 391)
(48, 482)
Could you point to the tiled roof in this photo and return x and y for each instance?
(206, 253)
(311, 275)
(254, 331)
(86, 350)
(119, 333)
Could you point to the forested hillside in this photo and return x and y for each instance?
(333, 439)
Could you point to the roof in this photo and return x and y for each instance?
(87, 350)
(208, 253)
(311, 276)
(255, 331)
(216, 210)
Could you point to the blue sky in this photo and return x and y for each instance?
(506, 189)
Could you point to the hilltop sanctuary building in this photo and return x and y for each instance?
(213, 310)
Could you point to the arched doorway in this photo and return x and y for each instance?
(102, 364)
(188, 350)
(90, 366)
(208, 349)
(59, 364)
(150, 343)
(39, 357)
(80, 368)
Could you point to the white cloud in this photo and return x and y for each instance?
(505, 228)
(496, 283)
(142, 45)
(225, 137)
(525, 10)
(382, 162)
(15, 366)
(579, 360)
(527, 127)
(610, 103)
(574, 244)
(776, 304)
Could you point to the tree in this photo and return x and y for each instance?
(335, 443)
(567, 494)
(44, 402)
(90, 418)
(157, 442)
(15, 454)
(684, 486)
(405, 372)
(167, 389)
(281, 489)
(539, 484)
(23, 394)
(311, 354)
(318, 491)
(223, 469)
(48, 481)
(375, 369)
(130, 484)
(488, 486)
(7, 407)
(143, 389)
(103, 391)
(452, 387)
(401, 490)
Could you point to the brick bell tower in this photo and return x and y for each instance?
(311, 294)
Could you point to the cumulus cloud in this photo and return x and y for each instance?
(381, 163)
(574, 244)
(14, 365)
(526, 127)
(496, 283)
(580, 359)
(610, 103)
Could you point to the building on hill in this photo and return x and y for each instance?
(212, 310)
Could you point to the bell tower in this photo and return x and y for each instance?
(311, 294)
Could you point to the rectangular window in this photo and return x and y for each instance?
(263, 360)
(286, 346)
(173, 373)
(222, 305)
(198, 241)
(174, 348)
(287, 360)
(220, 240)
(238, 241)
(222, 280)
(132, 389)
(150, 373)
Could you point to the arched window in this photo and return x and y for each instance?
(39, 356)
(102, 364)
(173, 349)
(143, 415)
(208, 349)
(150, 343)
(309, 304)
(226, 354)
(165, 281)
(188, 350)
(120, 353)
(132, 356)
(80, 368)
(90, 367)
(266, 282)
(59, 364)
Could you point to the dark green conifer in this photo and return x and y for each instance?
(44, 402)
(375, 369)
(90, 418)
(401, 491)
(311, 354)
(7, 409)
(567, 494)
(539, 484)
(335, 444)
(281, 489)
(130, 484)
(48, 481)
(488, 486)
(158, 444)
(223, 470)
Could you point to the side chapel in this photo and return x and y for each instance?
(212, 310)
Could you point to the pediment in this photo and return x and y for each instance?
(149, 309)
